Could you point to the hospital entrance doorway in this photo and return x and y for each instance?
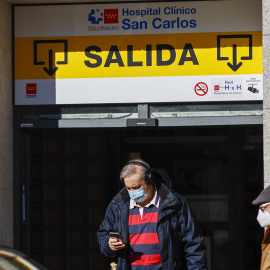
(69, 176)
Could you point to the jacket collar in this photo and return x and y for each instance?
(122, 197)
(168, 198)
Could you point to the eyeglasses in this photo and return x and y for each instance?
(263, 206)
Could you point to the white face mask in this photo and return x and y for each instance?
(263, 218)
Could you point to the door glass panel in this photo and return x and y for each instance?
(67, 195)
(219, 171)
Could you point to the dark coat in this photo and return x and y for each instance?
(180, 239)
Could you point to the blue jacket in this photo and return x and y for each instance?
(180, 238)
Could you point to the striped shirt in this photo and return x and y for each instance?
(144, 242)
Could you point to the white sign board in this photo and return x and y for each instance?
(138, 52)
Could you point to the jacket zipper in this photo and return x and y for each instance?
(119, 217)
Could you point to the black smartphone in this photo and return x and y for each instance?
(116, 234)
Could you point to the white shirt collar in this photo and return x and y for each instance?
(154, 201)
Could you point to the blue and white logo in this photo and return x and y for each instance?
(95, 16)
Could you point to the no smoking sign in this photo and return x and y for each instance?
(201, 89)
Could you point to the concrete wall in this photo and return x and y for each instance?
(6, 126)
(266, 87)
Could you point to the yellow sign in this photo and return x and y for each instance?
(139, 55)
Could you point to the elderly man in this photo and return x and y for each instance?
(157, 229)
(263, 201)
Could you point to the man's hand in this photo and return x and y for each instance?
(116, 244)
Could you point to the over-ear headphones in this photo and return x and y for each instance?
(148, 173)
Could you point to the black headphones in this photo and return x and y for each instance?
(148, 173)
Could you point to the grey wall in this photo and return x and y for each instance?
(266, 87)
(6, 129)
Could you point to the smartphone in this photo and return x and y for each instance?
(116, 234)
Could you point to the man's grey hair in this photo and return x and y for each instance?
(131, 169)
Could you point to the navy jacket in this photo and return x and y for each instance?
(180, 238)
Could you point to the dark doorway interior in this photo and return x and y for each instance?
(70, 176)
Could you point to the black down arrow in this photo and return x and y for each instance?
(234, 66)
(51, 70)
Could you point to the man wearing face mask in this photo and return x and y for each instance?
(156, 227)
(263, 201)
